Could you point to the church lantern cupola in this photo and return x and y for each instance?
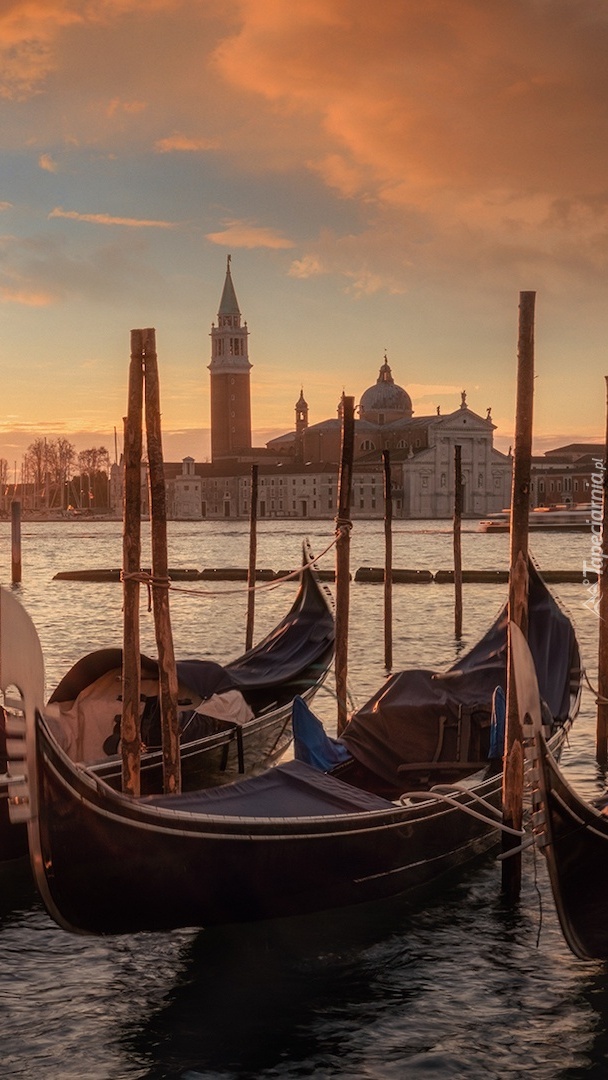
(230, 389)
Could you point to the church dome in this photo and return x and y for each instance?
(385, 399)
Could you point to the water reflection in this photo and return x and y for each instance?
(457, 988)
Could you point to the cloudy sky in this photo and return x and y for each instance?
(386, 176)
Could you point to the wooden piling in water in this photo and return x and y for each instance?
(458, 542)
(343, 527)
(601, 741)
(167, 671)
(16, 541)
(131, 560)
(388, 561)
(513, 761)
(253, 518)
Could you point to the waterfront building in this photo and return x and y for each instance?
(298, 471)
(563, 476)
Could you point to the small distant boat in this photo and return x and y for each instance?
(409, 796)
(235, 718)
(560, 518)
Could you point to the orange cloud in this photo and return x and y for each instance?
(239, 234)
(116, 105)
(427, 104)
(108, 219)
(307, 266)
(184, 143)
(47, 162)
(23, 295)
(30, 29)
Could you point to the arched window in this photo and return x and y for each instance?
(367, 444)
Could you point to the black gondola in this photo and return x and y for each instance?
(236, 718)
(573, 836)
(296, 839)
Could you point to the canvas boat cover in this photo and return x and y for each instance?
(403, 722)
(305, 635)
(292, 790)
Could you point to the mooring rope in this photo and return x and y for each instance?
(599, 699)
(152, 582)
(419, 796)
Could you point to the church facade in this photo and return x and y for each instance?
(298, 471)
(422, 451)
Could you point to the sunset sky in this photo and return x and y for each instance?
(386, 176)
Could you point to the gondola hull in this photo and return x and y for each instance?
(294, 659)
(301, 837)
(106, 864)
(573, 836)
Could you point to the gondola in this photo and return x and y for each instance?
(407, 802)
(235, 719)
(573, 836)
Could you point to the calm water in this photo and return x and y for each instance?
(459, 989)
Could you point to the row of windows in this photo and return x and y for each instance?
(369, 444)
(568, 484)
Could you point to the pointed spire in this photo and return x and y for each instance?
(229, 303)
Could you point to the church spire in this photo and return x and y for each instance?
(229, 305)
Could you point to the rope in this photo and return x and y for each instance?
(441, 797)
(165, 583)
(343, 525)
(148, 580)
(472, 794)
(540, 900)
(599, 700)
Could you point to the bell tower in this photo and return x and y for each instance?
(301, 413)
(229, 367)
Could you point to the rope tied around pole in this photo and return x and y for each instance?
(149, 580)
(343, 527)
(166, 583)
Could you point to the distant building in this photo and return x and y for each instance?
(562, 477)
(298, 471)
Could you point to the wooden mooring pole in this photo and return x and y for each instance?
(457, 542)
(253, 543)
(602, 610)
(388, 561)
(16, 541)
(131, 562)
(513, 761)
(343, 527)
(167, 671)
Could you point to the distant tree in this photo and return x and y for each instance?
(48, 465)
(97, 459)
(62, 457)
(94, 471)
(34, 463)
